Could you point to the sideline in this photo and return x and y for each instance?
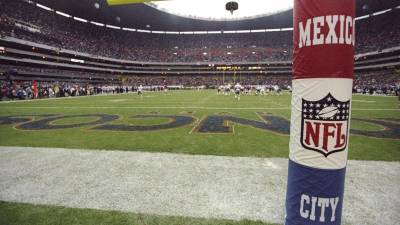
(183, 185)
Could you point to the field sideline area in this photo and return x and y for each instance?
(179, 148)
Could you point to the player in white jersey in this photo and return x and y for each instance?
(238, 89)
(220, 89)
(227, 89)
(289, 89)
(258, 90)
(277, 90)
(140, 90)
(262, 90)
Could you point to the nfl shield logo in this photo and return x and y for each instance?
(324, 126)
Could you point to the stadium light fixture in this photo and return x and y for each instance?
(143, 31)
(80, 19)
(187, 32)
(273, 30)
(199, 32)
(362, 17)
(214, 32)
(113, 27)
(381, 12)
(63, 14)
(129, 29)
(258, 31)
(243, 31)
(44, 7)
(30, 2)
(97, 24)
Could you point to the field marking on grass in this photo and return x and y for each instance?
(175, 107)
(361, 109)
(119, 100)
(197, 123)
(383, 96)
(363, 101)
(184, 185)
(135, 94)
(273, 102)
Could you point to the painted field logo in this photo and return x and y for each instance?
(324, 126)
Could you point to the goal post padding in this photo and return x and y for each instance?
(323, 55)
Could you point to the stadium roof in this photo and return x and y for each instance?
(142, 16)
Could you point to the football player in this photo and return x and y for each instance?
(140, 90)
(238, 89)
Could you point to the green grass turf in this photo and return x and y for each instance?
(27, 214)
(246, 141)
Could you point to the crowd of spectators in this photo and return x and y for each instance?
(22, 90)
(66, 33)
(209, 81)
(378, 32)
(375, 83)
(386, 82)
(62, 32)
(373, 34)
(57, 72)
(26, 90)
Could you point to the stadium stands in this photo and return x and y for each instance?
(64, 52)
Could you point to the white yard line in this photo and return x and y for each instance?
(184, 185)
(363, 101)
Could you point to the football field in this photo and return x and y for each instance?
(205, 123)
(218, 155)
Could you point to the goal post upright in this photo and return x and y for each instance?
(322, 80)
